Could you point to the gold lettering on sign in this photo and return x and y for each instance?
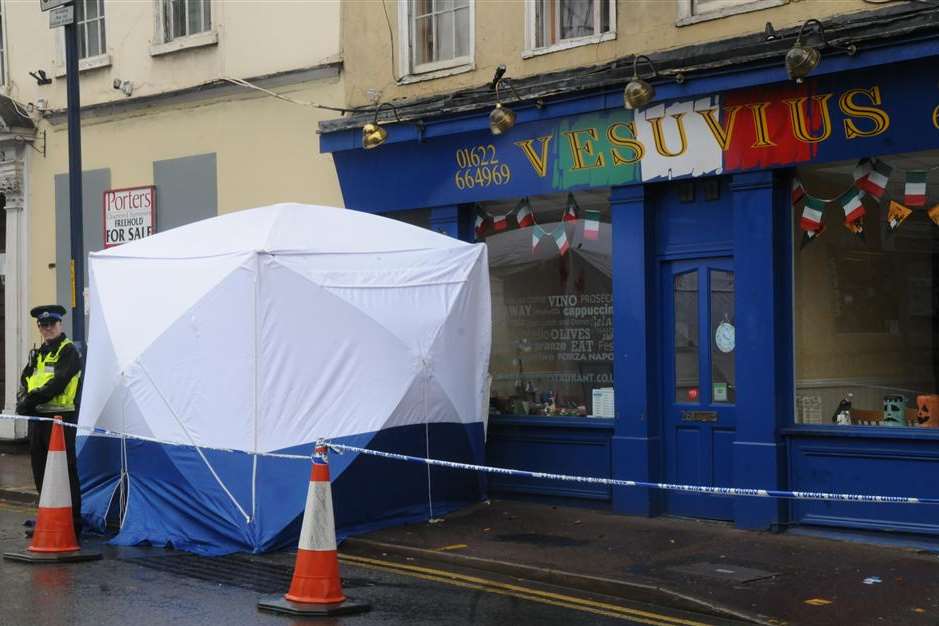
(722, 135)
(638, 150)
(935, 117)
(879, 117)
(799, 118)
(538, 160)
(659, 137)
(760, 127)
(578, 149)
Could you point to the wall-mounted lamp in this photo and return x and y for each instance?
(373, 134)
(41, 78)
(804, 55)
(124, 86)
(638, 92)
(502, 118)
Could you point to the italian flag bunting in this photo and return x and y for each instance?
(811, 222)
(875, 183)
(914, 194)
(850, 201)
(478, 227)
(798, 191)
(862, 170)
(560, 238)
(570, 213)
(536, 234)
(523, 214)
(592, 225)
(895, 216)
(500, 222)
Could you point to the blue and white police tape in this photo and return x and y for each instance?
(104, 432)
(713, 491)
(338, 447)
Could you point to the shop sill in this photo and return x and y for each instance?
(756, 5)
(861, 432)
(199, 40)
(569, 43)
(600, 423)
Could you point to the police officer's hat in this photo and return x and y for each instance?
(48, 312)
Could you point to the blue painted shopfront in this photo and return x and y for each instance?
(699, 195)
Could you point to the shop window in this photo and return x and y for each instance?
(552, 311)
(438, 35)
(183, 18)
(866, 314)
(559, 24)
(89, 15)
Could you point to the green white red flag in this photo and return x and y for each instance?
(592, 225)
(914, 194)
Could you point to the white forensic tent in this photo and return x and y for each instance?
(262, 331)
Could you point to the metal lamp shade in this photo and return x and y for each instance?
(501, 119)
(373, 135)
(638, 93)
(800, 61)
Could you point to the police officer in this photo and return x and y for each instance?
(49, 385)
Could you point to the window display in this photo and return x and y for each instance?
(866, 270)
(550, 260)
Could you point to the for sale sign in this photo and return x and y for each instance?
(129, 214)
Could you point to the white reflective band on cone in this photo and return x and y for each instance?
(55, 488)
(318, 531)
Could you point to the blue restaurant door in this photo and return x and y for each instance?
(698, 382)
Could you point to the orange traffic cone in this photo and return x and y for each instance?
(316, 588)
(54, 537)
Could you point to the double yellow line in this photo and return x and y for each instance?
(526, 593)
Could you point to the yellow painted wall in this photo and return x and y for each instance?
(267, 152)
(643, 26)
(254, 38)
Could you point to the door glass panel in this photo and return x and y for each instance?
(687, 379)
(723, 346)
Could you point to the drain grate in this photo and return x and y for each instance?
(233, 570)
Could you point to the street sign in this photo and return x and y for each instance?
(45, 5)
(62, 16)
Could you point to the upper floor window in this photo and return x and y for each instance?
(439, 34)
(89, 15)
(182, 18)
(560, 24)
(692, 11)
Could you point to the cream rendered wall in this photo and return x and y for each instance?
(643, 26)
(254, 38)
(266, 149)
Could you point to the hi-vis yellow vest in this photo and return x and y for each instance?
(43, 373)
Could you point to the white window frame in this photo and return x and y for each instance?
(687, 15)
(103, 21)
(196, 40)
(88, 63)
(409, 72)
(566, 44)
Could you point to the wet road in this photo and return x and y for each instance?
(147, 586)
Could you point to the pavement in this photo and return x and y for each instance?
(801, 576)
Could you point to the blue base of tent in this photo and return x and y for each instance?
(175, 499)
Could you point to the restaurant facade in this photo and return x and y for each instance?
(734, 285)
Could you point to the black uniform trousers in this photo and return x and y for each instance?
(39, 434)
